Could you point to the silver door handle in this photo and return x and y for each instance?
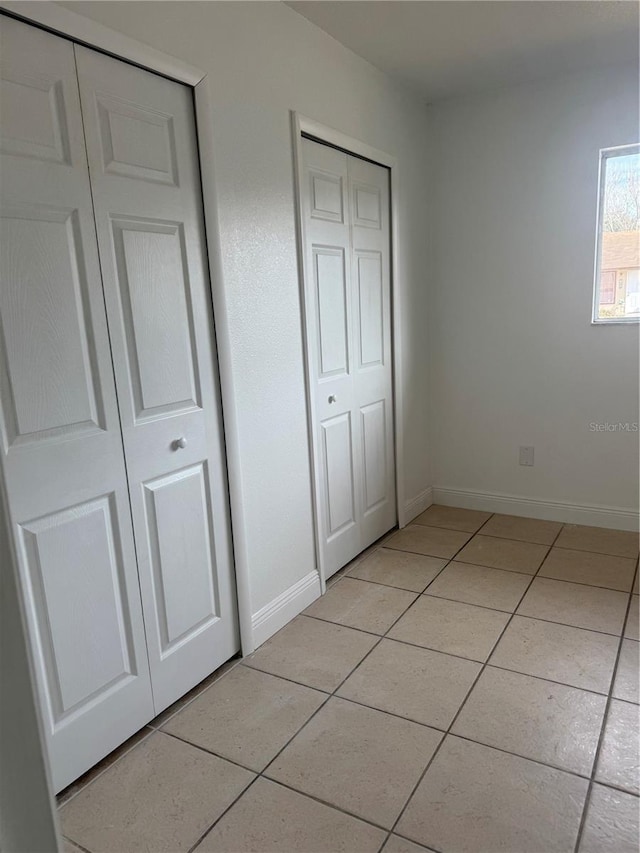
(180, 443)
(332, 398)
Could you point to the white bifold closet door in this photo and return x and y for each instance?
(143, 161)
(345, 206)
(112, 449)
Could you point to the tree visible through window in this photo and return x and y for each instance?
(617, 297)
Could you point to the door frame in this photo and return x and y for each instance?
(323, 133)
(63, 22)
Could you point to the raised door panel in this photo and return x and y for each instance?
(50, 385)
(327, 192)
(338, 473)
(367, 204)
(137, 142)
(75, 564)
(33, 120)
(370, 309)
(157, 316)
(182, 555)
(374, 454)
(331, 311)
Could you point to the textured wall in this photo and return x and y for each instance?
(265, 60)
(514, 357)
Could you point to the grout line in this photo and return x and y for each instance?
(325, 802)
(75, 843)
(421, 553)
(289, 679)
(464, 702)
(600, 553)
(568, 625)
(439, 652)
(469, 604)
(479, 532)
(333, 694)
(229, 807)
(262, 774)
(603, 725)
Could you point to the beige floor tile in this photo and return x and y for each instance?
(395, 844)
(453, 518)
(361, 760)
(611, 824)
(618, 543)
(69, 846)
(636, 583)
(474, 798)
(161, 796)
(563, 564)
(523, 529)
(99, 768)
(359, 604)
(626, 685)
(421, 685)
(480, 585)
(247, 716)
(159, 721)
(318, 654)
(271, 819)
(571, 656)
(451, 627)
(533, 718)
(632, 628)
(619, 760)
(432, 541)
(576, 604)
(398, 568)
(503, 554)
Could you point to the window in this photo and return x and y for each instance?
(617, 279)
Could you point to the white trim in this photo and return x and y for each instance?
(93, 34)
(83, 30)
(204, 131)
(302, 124)
(416, 505)
(282, 609)
(618, 518)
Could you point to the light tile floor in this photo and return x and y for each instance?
(470, 683)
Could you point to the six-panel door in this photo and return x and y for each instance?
(88, 473)
(345, 204)
(143, 162)
(61, 441)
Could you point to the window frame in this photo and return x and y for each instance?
(604, 155)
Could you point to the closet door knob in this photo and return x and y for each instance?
(179, 443)
(332, 398)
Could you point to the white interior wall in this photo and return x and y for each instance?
(264, 60)
(514, 358)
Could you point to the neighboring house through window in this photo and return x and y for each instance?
(617, 281)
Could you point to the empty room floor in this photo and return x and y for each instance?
(468, 684)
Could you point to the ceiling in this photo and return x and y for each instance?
(457, 47)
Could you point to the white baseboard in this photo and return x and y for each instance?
(416, 505)
(618, 518)
(282, 609)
